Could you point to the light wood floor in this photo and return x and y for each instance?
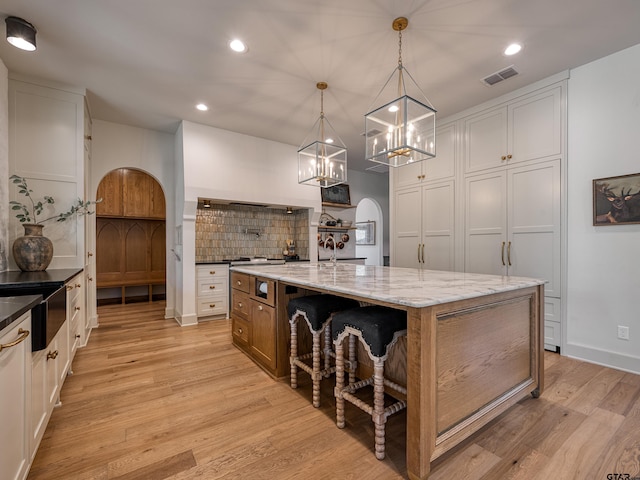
(151, 400)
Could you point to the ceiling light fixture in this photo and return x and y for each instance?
(402, 130)
(512, 49)
(202, 107)
(21, 33)
(323, 161)
(237, 46)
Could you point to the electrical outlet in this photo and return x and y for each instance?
(623, 332)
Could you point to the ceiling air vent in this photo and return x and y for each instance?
(497, 77)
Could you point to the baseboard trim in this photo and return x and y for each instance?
(619, 361)
(187, 320)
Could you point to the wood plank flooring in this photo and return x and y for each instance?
(151, 400)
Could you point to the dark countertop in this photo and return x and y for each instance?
(49, 278)
(12, 308)
(223, 262)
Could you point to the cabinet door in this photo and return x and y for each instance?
(486, 223)
(263, 333)
(407, 229)
(15, 379)
(485, 140)
(535, 129)
(438, 226)
(40, 400)
(136, 193)
(534, 223)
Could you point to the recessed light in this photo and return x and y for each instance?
(238, 46)
(202, 107)
(512, 49)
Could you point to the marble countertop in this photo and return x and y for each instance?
(12, 308)
(402, 286)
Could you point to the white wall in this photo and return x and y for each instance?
(223, 165)
(4, 167)
(603, 262)
(375, 186)
(117, 146)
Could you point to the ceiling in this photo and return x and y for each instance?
(147, 63)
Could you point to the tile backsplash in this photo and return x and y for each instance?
(230, 231)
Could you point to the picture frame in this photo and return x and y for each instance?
(366, 233)
(616, 200)
(336, 194)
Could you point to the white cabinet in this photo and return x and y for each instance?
(512, 223)
(423, 205)
(440, 167)
(15, 378)
(527, 129)
(212, 281)
(75, 313)
(424, 228)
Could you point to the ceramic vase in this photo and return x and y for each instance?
(32, 252)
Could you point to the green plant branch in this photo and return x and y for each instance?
(26, 215)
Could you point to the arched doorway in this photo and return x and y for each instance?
(369, 210)
(130, 237)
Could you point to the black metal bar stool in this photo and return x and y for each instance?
(317, 311)
(378, 329)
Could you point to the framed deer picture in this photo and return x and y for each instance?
(616, 200)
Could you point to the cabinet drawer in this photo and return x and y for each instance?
(211, 286)
(212, 271)
(240, 281)
(240, 331)
(240, 304)
(214, 305)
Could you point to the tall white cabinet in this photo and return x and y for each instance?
(499, 207)
(423, 220)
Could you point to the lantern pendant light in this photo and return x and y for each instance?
(402, 129)
(323, 161)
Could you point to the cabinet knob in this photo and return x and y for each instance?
(77, 335)
(212, 305)
(78, 285)
(239, 330)
(89, 254)
(212, 272)
(212, 287)
(239, 304)
(239, 282)
(509, 157)
(503, 158)
(69, 287)
(77, 309)
(260, 307)
(90, 279)
(52, 355)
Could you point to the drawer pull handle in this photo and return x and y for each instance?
(23, 334)
(78, 285)
(239, 304)
(240, 330)
(69, 287)
(91, 279)
(260, 307)
(212, 305)
(239, 282)
(212, 272)
(211, 287)
(52, 355)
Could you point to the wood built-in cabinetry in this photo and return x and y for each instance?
(130, 231)
(491, 200)
(254, 317)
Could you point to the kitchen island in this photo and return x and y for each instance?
(474, 342)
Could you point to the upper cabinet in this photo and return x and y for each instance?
(127, 192)
(440, 167)
(527, 129)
